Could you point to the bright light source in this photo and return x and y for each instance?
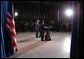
(69, 12)
(16, 13)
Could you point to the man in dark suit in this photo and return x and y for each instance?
(42, 29)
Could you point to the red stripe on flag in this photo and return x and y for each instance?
(11, 20)
(10, 25)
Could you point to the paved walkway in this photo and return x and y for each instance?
(31, 47)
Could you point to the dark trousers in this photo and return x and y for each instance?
(42, 35)
(37, 33)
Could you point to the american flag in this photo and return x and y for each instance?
(10, 26)
(8, 33)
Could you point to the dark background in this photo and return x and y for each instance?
(29, 11)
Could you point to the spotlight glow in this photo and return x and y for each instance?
(16, 13)
(69, 12)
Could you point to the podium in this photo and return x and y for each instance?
(47, 34)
